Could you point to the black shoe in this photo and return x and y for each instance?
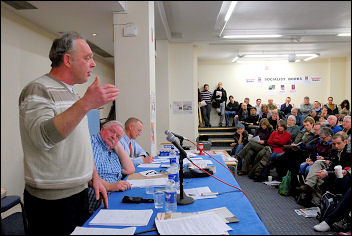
(209, 125)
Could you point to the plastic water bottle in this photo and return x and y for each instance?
(172, 156)
(170, 197)
(173, 172)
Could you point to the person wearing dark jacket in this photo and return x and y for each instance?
(241, 115)
(253, 147)
(240, 140)
(273, 119)
(322, 171)
(252, 121)
(332, 108)
(286, 107)
(231, 109)
(220, 98)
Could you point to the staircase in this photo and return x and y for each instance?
(220, 137)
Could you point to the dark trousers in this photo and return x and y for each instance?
(341, 208)
(206, 113)
(56, 216)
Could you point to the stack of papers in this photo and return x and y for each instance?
(199, 193)
(272, 183)
(308, 212)
(103, 231)
(122, 217)
(142, 183)
(151, 165)
(204, 224)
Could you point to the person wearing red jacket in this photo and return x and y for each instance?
(277, 140)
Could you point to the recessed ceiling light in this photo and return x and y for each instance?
(252, 36)
(345, 34)
(94, 34)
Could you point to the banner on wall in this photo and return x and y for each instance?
(293, 88)
(315, 79)
(259, 80)
(182, 107)
(282, 89)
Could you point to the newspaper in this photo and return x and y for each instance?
(308, 212)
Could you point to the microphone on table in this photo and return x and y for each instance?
(171, 138)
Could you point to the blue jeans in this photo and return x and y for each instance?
(274, 156)
(304, 169)
(229, 114)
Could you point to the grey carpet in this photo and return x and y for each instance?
(277, 211)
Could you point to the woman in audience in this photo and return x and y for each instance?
(292, 127)
(323, 120)
(240, 140)
(273, 119)
(253, 147)
(265, 111)
(324, 112)
(344, 106)
(242, 114)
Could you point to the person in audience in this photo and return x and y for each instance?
(265, 111)
(246, 101)
(346, 125)
(313, 114)
(317, 107)
(206, 96)
(242, 114)
(297, 152)
(231, 109)
(323, 148)
(252, 121)
(258, 106)
(294, 112)
(220, 97)
(111, 161)
(253, 147)
(271, 105)
(344, 106)
(321, 169)
(332, 120)
(273, 119)
(277, 140)
(133, 129)
(199, 102)
(342, 207)
(240, 140)
(58, 158)
(324, 112)
(286, 107)
(306, 107)
(292, 127)
(341, 117)
(323, 120)
(332, 108)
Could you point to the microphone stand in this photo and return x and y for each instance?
(182, 198)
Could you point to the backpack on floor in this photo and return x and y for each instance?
(328, 203)
(285, 186)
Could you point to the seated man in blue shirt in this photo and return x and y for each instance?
(133, 128)
(332, 119)
(111, 160)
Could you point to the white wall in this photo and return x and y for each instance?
(334, 74)
(24, 57)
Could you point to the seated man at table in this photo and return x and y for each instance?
(111, 160)
(133, 128)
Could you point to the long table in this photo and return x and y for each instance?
(236, 201)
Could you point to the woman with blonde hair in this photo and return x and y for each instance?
(292, 127)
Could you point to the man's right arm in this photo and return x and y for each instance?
(126, 161)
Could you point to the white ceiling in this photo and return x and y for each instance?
(308, 23)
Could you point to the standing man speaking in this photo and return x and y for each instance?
(58, 156)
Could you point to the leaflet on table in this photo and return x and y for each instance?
(201, 163)
(199, 193)
(206, 223)
(103, 231)
(224, 213)
(149, 165)
(142, 183)
(122, 217)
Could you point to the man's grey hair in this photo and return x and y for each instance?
(61, 46)
(347, 117)
(340, 134)
(107, 124)
(326, 131)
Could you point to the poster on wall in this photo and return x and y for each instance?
(259, 82)
(315, 79)
(187, 107)
(271, 90)
(250, 80)
(177, 107)
(306, 81)
(293, 88)
(282, 89)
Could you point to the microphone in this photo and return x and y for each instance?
(176, 135)
(171, 138)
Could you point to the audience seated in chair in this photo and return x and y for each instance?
(294, 112)
(265, 111)
(273, 119)
(230, 110)
(252, 121)
(317, 107)
(332, 108)
(240, 140)
(241, 115)
(292, 127)
(332, 123)
(271, 105)
(286, 107)
(306, 107)
(258, 106)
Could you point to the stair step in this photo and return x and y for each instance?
(221, 148)
(221, 140)
(217, 134)
(217, 129)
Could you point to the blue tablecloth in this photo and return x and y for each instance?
(236, 202)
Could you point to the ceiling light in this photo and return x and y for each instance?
(273, 61)
(228, 15)
(252, 36)
(94, 34)
(344, 34)
(230, 10)
(266, 55)
(312, 57)
(235, 59)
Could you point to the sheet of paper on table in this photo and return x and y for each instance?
(122, 217)
(103, 231)
(149, 165)
(196, 193)
(142, 183)
(203, 224)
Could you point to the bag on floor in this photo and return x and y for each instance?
(284, 187)
(328, 203)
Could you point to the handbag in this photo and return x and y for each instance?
(284, 187)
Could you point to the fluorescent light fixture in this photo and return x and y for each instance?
(240, 36)
(235, 59)
(344, 34)
(312, 57)
(265, 55)
(228, 15)
(276, 61)
(230, 10)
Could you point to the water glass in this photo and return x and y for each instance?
(159, 199)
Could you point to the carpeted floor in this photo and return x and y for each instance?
(277, 211)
